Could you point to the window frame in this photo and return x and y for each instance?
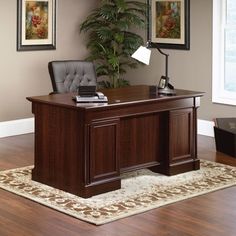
(219, 94)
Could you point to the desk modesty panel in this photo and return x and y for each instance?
(82, 148)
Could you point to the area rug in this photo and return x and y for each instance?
(141, 191)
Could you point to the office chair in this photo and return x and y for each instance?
(67, 76)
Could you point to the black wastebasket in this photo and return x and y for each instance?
(225, 135)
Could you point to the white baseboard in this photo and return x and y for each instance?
(205, 127)
(24, 126)
(16, 127)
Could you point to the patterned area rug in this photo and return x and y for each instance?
(141, 191)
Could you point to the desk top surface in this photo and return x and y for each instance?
(116, 97)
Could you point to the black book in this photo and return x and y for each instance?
(87, 91)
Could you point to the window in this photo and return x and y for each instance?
(224, 52)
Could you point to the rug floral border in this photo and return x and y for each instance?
(214, 176)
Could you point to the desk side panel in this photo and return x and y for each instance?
(59, 147)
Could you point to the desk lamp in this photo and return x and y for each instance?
(143, 55)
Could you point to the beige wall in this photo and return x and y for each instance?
(190, 69)
(25, 74)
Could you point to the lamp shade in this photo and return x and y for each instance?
(142, 54)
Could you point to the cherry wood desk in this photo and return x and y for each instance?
(83, 148)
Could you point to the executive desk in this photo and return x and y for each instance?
(83, 148)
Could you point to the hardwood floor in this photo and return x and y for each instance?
(213, 214)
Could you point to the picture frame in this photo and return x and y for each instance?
(162, 82)
(36, 25)
(169, 24)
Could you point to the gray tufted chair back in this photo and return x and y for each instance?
(66, 76)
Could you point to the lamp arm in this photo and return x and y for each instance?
(166, 55)
(149, 45)
(160, 51)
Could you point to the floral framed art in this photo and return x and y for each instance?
(36, 25)
(169, 24)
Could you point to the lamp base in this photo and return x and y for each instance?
(168, 90)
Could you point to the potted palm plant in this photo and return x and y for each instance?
(111, 40)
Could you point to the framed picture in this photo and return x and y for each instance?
(36, 25)
(169, 24)
(163, 82)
